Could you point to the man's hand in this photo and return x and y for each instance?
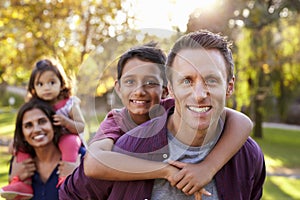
(23, 169)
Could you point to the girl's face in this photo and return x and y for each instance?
(47, 86)
(37, 128)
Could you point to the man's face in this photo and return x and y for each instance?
(199, 87)
(140, 88)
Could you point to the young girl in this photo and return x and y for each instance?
(48, 82)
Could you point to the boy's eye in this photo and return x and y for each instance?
(151, 83)
(129, 81)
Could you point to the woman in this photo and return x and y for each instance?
(36, 135)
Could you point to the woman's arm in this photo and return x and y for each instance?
(194, 176)
(100, 162)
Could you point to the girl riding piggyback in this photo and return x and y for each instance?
(48, 82)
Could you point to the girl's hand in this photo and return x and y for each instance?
(23, 169)
(60, 120)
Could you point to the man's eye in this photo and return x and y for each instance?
(187, 81)
(211, 81)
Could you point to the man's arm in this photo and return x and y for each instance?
(193, 177)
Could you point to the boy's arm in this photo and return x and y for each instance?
(237, 129)
(194, 176)
(100, 162)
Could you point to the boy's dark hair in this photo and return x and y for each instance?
(19, 141)
(149, 53)
(206, 40)
(47, 65)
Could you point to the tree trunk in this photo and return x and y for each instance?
(258, 132)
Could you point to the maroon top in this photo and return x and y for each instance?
(241, 178)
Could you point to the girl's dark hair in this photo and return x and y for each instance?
(206, 40)
(47, 65)
(149, 53)
(19, 140)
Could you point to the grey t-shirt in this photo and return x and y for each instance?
(184, 153)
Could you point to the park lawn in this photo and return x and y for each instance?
(281, 150)
(280, 147)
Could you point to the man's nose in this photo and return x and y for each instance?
(201, 90)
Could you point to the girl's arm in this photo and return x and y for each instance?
(194, 176)
(75, 124)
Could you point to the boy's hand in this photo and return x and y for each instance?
(191, 178)
(198, 195)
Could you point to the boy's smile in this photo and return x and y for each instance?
(140, 88)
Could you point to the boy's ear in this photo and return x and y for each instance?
(117, 88)
(230, 87)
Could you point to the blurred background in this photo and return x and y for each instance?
(87, 37)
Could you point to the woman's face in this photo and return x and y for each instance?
(37, 128)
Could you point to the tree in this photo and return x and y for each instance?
(255, 26)
(68, 30)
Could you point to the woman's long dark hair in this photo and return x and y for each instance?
(20, 143)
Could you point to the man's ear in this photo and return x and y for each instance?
(230, 87)
(170, 90)
(165, 92)
(118, 89)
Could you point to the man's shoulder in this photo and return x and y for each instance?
(251, 151)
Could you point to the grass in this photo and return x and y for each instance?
(281, 150)
(280, 147)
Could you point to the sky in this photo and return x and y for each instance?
(164, 14)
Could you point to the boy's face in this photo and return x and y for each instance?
(140, 88)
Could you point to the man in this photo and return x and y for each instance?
(200, 77)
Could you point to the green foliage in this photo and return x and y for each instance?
(67, 30)
(19, 100)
